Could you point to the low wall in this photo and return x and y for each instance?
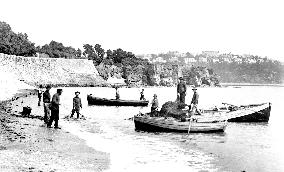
(54, 71)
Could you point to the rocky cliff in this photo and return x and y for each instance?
(198, 76)
(55, 71)
(159, 74)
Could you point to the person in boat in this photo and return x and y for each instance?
(55, 102)
(46, 104)
(194, 101)
(77, 104)
(117, 96)
(39, 94)
(181, 90)
(155, 105)
(142, 95)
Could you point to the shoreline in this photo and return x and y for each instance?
(250, 84)
(28, 145)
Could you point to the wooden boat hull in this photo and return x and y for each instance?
(258, 115)
(247, 113)
(160, 124)
(113, 102)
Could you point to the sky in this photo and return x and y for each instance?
(153, 26)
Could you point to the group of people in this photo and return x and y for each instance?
(51, 105)
(181, 94)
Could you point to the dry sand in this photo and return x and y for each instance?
(27, 145)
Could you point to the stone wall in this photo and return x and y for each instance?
(55, 71)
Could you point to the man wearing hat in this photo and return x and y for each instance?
(194, 101)
(46, 103)
(155, 105)
(55, 102)
(181, 90)
(77, 104)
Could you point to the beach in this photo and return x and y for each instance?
(27, 145)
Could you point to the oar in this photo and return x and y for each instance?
(229, 104)
(189, 125)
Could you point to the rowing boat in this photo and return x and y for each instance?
(145, 122)
(92, 100)
(244, 113)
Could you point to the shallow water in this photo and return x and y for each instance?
(246, 146)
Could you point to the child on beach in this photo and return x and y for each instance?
(77, 104)
(39, 94)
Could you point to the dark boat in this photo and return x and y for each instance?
(161, 124)
(244, 113)
(251, 113)
(113, 102)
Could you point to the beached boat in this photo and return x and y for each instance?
(161, 124)
(113, 102)
(244, 113)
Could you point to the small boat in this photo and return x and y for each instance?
(145, 122)
(244, 113)
(114, 102)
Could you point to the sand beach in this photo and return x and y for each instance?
(27, 145)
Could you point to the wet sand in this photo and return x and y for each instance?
(27, 145)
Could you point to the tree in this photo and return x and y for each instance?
(15, 44)
(58, 50)
(89, 52)
(100, 53)
(78, 53)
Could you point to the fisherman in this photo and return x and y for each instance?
(46, 104)
(155, 105)
(39, 94)
(142, 95)
(77, 104)
(55, 102)
(117, 96)
(194, 101)
(181, 90)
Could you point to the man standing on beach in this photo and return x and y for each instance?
(77, 104)
(181, 90)
(55, 109)
(46, 104)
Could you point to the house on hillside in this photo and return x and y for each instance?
(189, 60)
(173, 59)
(159, 60)
(202, 59)
(147, 56)
(210, 53)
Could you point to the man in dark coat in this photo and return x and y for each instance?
(55, 102)
(46, 104)
(181, 90)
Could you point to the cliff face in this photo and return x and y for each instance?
(200, 76)
(159, 74)
(165, 74)
(55, 71)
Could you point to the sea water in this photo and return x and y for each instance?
(242, 147)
